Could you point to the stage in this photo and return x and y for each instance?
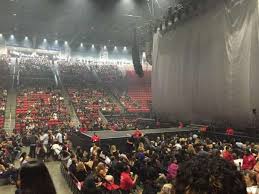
(119, 138)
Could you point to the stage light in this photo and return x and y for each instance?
(44, 40)
(115, 48)
(56, 41)
(104, 47)
(12, 36)
(65, 42)
(92, 46)
(26, 38)
(125, 48)
(1, 35)
(81, 45)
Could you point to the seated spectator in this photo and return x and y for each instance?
(81, 172)
(251, 183)
(34, 178)
(8, 172)
(167, 189)
(109, 184)
(93, 183)
(205, 174)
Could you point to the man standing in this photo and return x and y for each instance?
(33, 141)
(59, 137)
(95, 138)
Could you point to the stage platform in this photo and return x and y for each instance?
(119, 138)
(125, 134)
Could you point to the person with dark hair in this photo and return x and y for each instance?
(33, 142)
(127, 182)
(248, 160)
(227, 155)
(95, 138)
(209, 175)
(34, 178)
(93, 183)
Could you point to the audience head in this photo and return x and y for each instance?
(35, 178)
(209, 175)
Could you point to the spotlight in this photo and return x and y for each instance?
(115, 47)
(1, 35)
(26, 38)
(66, 43)
(125, 48)
(92, 45)
(81, 45)
(104, 47)
(44, 40)
(56, 41)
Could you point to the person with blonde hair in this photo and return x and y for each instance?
(167, 189)
(81, 172)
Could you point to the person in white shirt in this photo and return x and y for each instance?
(59, 137)
(45, 140)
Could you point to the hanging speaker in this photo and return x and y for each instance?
(135, 56)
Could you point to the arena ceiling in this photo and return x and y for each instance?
(89, 21)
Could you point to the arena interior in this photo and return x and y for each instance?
(129, 97)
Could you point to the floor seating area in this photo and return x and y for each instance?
(87, 103)
(40, 108)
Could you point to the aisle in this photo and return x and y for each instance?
(60, 183)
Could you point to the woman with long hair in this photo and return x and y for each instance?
(34, 178)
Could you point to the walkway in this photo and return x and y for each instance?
(59, 182)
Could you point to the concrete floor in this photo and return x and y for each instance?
(60, 183)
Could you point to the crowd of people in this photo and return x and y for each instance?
(4, 69)
(169, 164)
(88, 102)
(172, 164)
(40, 108)
(74, 72)
(3, 98)
(108, 73)
(35, 66)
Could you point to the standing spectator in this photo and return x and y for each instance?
(33, 143)
(172, 169)
(59, 137)
(227, 155)
(95, 138)
(127, 182)
(248, 161)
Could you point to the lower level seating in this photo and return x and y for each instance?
(40, 108)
